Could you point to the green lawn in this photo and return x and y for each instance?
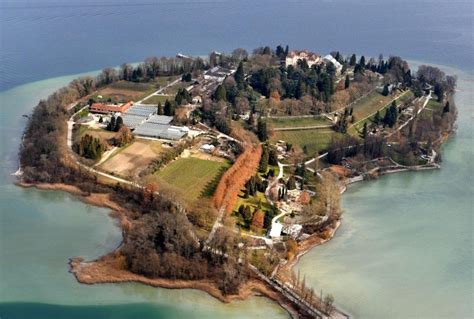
(194, 177)
(132, 86)
(433, 105)
(164, 80)
(158, 98)
(315, 140)
(355, 129)
(172, 90)
(370, 104)
(297, 122)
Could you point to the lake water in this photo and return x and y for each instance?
(405, 247)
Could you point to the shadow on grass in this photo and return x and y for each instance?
(211, 186)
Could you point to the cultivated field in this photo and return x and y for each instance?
(127, 91)
(315, 140)
(130, 160)
(194, 177)
(123, 91)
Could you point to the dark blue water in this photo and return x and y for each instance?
(46, 38)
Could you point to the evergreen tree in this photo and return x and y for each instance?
(301, 170)
(118, 124)
(263, 161)
(365, 131)
(101, 120)
(446, 107)
(347, 82)
(377, 118)
(221, 94)
(247, 216)
(111, 125)
(280, 52)
(353, 60)
(385, 91)
(362, 62)
(186, 77)
(240, 77)
(391, 115)
(169, 108)
(272, 156)
(262, 130)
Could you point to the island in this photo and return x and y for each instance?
(223, 171)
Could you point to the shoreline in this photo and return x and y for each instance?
(110, 267)
(98, 271)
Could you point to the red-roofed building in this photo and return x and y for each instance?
(110, 108)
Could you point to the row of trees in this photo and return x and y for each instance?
(165, 157)
(235, 177)
(114, 124)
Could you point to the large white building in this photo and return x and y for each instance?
(294, 56)
(330, 59)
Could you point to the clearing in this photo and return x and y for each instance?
(82, 130)
(194, 177)
(131, 159)
(316, 140)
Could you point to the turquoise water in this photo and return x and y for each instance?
(40, 230)
(405, 247)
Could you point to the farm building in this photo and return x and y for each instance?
(217, 73)
(157, 126)
(137, 115)
(110, 108)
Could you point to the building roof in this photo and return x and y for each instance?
(160, 119)
(331, 59)
(163, 131)
(110, 108)
(303, 54)
(218, 72)
(275, 231)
